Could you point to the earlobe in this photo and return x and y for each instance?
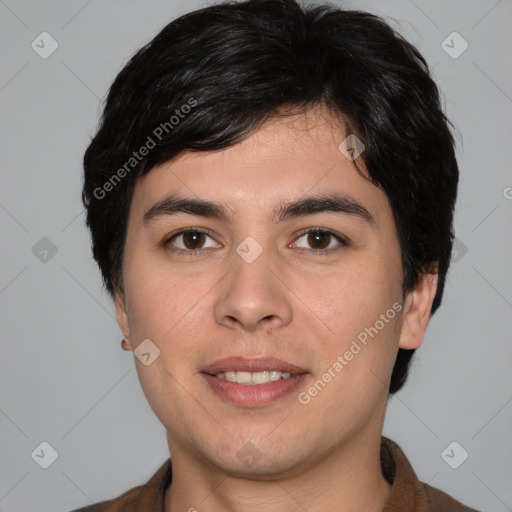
(418, 306)
(122, 320)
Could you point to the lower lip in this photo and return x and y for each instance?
(256, 395)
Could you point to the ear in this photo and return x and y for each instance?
(122, 317)
(418, 305)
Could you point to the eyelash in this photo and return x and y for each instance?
(316, 252)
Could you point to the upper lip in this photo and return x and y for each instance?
(245, 364)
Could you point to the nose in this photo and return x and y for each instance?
(253, 296)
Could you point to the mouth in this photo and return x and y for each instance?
(253, 378)
(253, 382)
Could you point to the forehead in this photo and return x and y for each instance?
(287, 158)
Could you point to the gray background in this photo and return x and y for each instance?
(64, 377)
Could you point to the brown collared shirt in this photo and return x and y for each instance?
(408, 494)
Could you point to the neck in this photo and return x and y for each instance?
(348, 479)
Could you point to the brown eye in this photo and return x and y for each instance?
(192, 239)
(319, 240)
(188, 241)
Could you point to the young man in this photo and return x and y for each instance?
(270, 196)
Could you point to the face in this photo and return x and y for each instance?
(259, 291)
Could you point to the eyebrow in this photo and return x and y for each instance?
(310, 205)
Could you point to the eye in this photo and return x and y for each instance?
(192, 240)
(322, 239)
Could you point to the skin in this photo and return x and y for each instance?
(288, 303)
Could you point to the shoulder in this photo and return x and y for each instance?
(439, 501)
(126, 502)
(408, 489)
(149, 496)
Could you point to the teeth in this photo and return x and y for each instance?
(231, 376)
(243, 377)
(260, 377)
(275, 376)
(253, 378)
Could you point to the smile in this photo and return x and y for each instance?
(253, 378)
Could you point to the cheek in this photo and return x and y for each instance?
(164, 391)
(359, 305)
(158, 298)
(352, 299)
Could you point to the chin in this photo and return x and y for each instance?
(257, 461)
(265, 469)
